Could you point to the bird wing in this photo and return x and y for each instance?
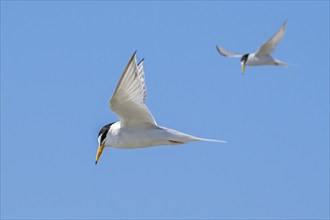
(227, 53)
(268, 47)
(129, 97)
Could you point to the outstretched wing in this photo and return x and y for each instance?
(227, 53)
(129, 97)
(268, 47)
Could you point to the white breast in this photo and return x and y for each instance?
(135, 137)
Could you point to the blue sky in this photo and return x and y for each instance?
(61, 61)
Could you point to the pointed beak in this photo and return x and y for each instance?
(99, 152)
(243, 68)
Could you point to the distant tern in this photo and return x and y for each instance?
(137, 127)
(263, 55)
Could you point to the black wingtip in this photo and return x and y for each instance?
(218, 49)
(284, 23)
(132, 58)
(141, 61)
(95, 162)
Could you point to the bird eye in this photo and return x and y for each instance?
(103, 136)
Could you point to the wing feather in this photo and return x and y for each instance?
(128, 100)
(227, 53)
(269, 47)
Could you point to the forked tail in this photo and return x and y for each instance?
(212, 140)
(280, 63)
(176, 137)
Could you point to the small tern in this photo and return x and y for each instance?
(137, 127)
(262, 56)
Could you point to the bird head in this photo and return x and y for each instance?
(244, 58)
(102, 139)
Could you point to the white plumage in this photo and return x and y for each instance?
(137, 127)
(263, 54)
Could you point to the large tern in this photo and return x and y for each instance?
(263, 54)
(137, 127)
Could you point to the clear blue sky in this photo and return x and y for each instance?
(61, 61)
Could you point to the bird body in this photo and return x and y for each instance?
(147, 136)
(253, 60)
(263, 54)
(137, 127)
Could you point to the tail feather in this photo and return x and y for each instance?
(177, 137)
(280, 63)
(211, 140)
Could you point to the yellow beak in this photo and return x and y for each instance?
(99, 152)
(243, 68)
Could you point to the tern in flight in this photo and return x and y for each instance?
(263, 54)
(137, 127)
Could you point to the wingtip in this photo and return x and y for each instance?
(141, 61)
(133, 57)
(284, 23)
(134, 54)
(219, 50)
